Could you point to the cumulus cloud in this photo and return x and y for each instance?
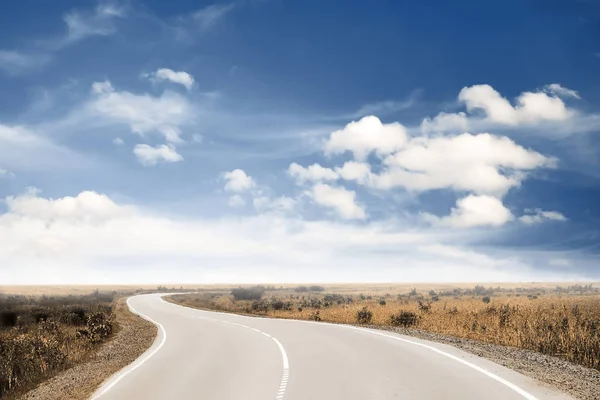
(487, 108)
(474, 211)
(313, 173)
(143, 113)
(531, 107)
(238, 181)
(444, 122)
(536, 216)
(149, 156)
(341, 200)
(355, 171)
(366, 136)
(178, 77)
(482, 163)
(118, 141)
(236, 201)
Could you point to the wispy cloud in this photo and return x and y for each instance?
(99, 22)
(80, 25)
(208, 16)
(16, 62)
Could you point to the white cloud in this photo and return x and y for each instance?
(473, 211)
(102, 87)
(90, 238)
(238, 181)
(118, 141)
(166, 74)
(149, 156)
(536, 216)
(339, 199)
(210, 15)
(531, 107)
(444, 122)
(483, 164)
(366, 136)
(236, 201)
(355, 171)
(100, 22)
(142, 113)
(313, 173)
(559, 90)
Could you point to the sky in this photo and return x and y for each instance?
(299, 141)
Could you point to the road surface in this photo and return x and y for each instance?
(215, 356)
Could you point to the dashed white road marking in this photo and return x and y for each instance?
(284, 357)
(137, 363)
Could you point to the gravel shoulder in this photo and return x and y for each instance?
(135, 335)
(578, 381)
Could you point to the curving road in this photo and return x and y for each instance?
(207, 355)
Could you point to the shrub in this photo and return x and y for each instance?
(251, 293)
(364, 316)
(486, 299)
(315, 316)
(259, 306)
(424, 307)
(280, 305)
(8, 318)
(404, 318)
(382, 302)
(99, 326)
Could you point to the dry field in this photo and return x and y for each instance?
(40, 336)
(562, 321)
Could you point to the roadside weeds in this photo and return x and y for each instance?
(134, 336)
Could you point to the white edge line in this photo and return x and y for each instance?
(503, 381)
(138, 362)
(489, 374)
(286, 362)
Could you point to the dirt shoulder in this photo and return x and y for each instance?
(134, 336)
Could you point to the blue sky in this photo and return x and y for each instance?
(273, 140)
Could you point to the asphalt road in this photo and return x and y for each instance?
(216, 356)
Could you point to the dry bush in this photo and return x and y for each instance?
(40, 336)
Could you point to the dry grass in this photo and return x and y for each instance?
(40, 336)
(563, 322)
(134, 336)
